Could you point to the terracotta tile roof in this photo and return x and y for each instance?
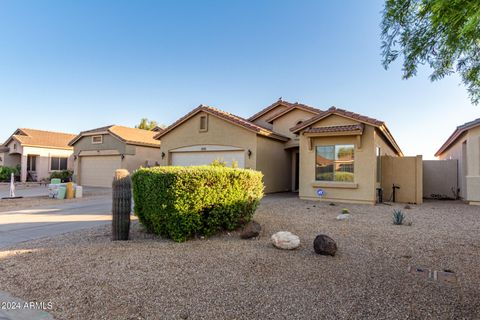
(287, 104)
(343, 112)
(456, 134)
(126, 134)
(42, 138)
(351, 115)
(228, 117)
(341, 128)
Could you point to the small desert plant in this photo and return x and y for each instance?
(398, 217)
(345, 211)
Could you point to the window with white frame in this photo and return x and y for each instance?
(58, 163)
(334, 162)
(203, 123)
(97, 139)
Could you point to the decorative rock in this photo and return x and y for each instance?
(251, 230)
(325, 245)
(343, 216)
(285, 240)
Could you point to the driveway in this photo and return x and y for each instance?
(33, 223)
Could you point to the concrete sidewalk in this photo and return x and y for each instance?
(15, 309)
(26, 191)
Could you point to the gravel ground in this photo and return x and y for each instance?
(87, 276)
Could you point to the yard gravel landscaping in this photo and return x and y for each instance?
(86, 276)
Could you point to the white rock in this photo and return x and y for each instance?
(285, 240)
(343, 216)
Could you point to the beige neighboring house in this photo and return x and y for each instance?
(99, 152)
(464, 146)
(38, 152)
(324, 155)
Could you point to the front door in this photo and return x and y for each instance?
(297, 170)
(31, 163)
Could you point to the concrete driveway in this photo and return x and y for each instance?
(33, 223)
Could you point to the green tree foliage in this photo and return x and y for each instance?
(443, 34)
(146, 124)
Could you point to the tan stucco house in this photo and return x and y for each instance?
(464, 146)
(324, 155)
(99, 152)
(38, 152)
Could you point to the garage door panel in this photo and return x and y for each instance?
(98, 171)
(207, 157)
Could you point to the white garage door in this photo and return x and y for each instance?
(200, 158)
(98, 171)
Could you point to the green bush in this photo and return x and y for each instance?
(6, 172)
(65, 175)
(180, 202)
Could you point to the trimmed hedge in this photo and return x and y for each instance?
(6, 172)
(180, 202)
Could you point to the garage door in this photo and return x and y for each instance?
(207, 157)
(98, 171)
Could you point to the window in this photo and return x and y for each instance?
(14, 146)
(334, 163)
(58, 163)
(379, 164)
(203, 123)
(97, 139)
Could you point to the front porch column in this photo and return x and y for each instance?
(23, 173)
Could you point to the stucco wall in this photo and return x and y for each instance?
(275, 164)
(261, 120)
(143, 156)
(220, 132)
(405, 172)
(9, 160)
(473, 166)
(283, 124)
(363, 188)
(43, 160)
(109, 143)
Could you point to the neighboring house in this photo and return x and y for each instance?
(464, 146)
(297, 148)
(99, 152)
(38, 152)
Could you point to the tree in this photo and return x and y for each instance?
(145, 124)
(444, 34)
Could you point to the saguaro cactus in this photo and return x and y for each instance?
(121, 204)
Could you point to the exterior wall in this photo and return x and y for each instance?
(440, 177)
(362, 190)
(455, 152)
(9, 160)
(43, 160)
(405, 172)
(109, 143)
(283, 124)
(473, 166)
(144, 156)
(261, 120)
(220, 133)
(275, 164)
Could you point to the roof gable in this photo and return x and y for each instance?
(286, 107)
(125, 134)
(41, 138)
(353, 116)
(233, 119)
(459, 131)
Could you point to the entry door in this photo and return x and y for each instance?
(297, 170)
(32, 163)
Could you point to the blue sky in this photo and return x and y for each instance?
(76, 65)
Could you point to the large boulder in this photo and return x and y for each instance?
(285, 240)
(251, 230)
(325, 245)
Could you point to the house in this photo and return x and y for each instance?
(328, 155)
(38, 152)
(464, 146)
(99, 152)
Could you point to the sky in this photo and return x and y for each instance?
(72, 66)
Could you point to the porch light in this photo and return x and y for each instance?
(249, 153)
(163, 155)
